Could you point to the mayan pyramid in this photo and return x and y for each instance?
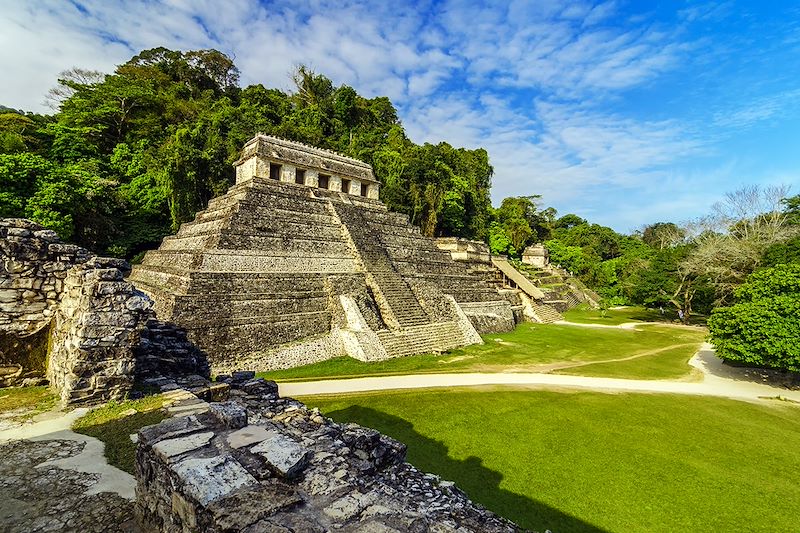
(300, 262)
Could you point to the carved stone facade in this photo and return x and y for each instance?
(270, 157)
(277, 273)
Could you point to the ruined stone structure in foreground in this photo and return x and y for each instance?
(300, 262)
(261, 463)
(68, 317)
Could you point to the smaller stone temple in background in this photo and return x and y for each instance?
(536, 255)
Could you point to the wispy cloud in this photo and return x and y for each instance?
(759, 109)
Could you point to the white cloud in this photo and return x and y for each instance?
(533, 82)
(759, 109)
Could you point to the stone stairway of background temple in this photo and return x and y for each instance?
(561, 290)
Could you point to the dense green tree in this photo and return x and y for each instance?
(67, 199)
(663, 235)
(153, 141)
(500, 242)
(568, 221)
(763, 325)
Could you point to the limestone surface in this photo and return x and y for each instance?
(291, 469)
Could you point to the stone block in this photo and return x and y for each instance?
(248, 436)
(240, 510)
(243, 375)
(259, 386)
(208, 480)
(219, 392)
(170, 428)
(230, 414)
(167, 449)
(284, 456)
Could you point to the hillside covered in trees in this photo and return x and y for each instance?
(130, 155)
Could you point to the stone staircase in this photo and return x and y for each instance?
(559, 291)
(426, 338)
(546, 313)
(398, 295)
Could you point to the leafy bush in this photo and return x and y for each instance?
(763, 327)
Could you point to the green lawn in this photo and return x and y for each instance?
(594, 462)
(531, 348)
(25, 402)
(670, 363)
(114, 422)
(612, 317)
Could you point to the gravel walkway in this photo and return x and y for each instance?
(52, 479)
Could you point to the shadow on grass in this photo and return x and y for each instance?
(481, 484)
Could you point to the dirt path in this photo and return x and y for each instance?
(624, 325)
(565, 366)
(53, 479)
(718, 380)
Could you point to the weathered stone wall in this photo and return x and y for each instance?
(71, 316)
(260, 150)
(163, 349)
(465, 249)
(263, 463)
(96, 326)
(33, 266)
(536, 255)
(490, 317)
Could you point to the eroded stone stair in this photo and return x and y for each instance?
(404, 305)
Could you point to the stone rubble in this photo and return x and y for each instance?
(38, 498)
(259, 462)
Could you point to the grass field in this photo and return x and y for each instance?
(612, 317)
(20, 403)
(593, 462)
(661, 352)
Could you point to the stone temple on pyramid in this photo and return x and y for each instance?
(301, 262)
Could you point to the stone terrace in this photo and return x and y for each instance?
(259, 462)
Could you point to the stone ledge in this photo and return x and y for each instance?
(290, 469)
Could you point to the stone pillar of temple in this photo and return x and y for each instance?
(288, 173)
(246, 170)
(261, 167)
(335, 183)
(312, 178)
(355, 188)
(372, 191)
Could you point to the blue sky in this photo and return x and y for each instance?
(622, 112)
